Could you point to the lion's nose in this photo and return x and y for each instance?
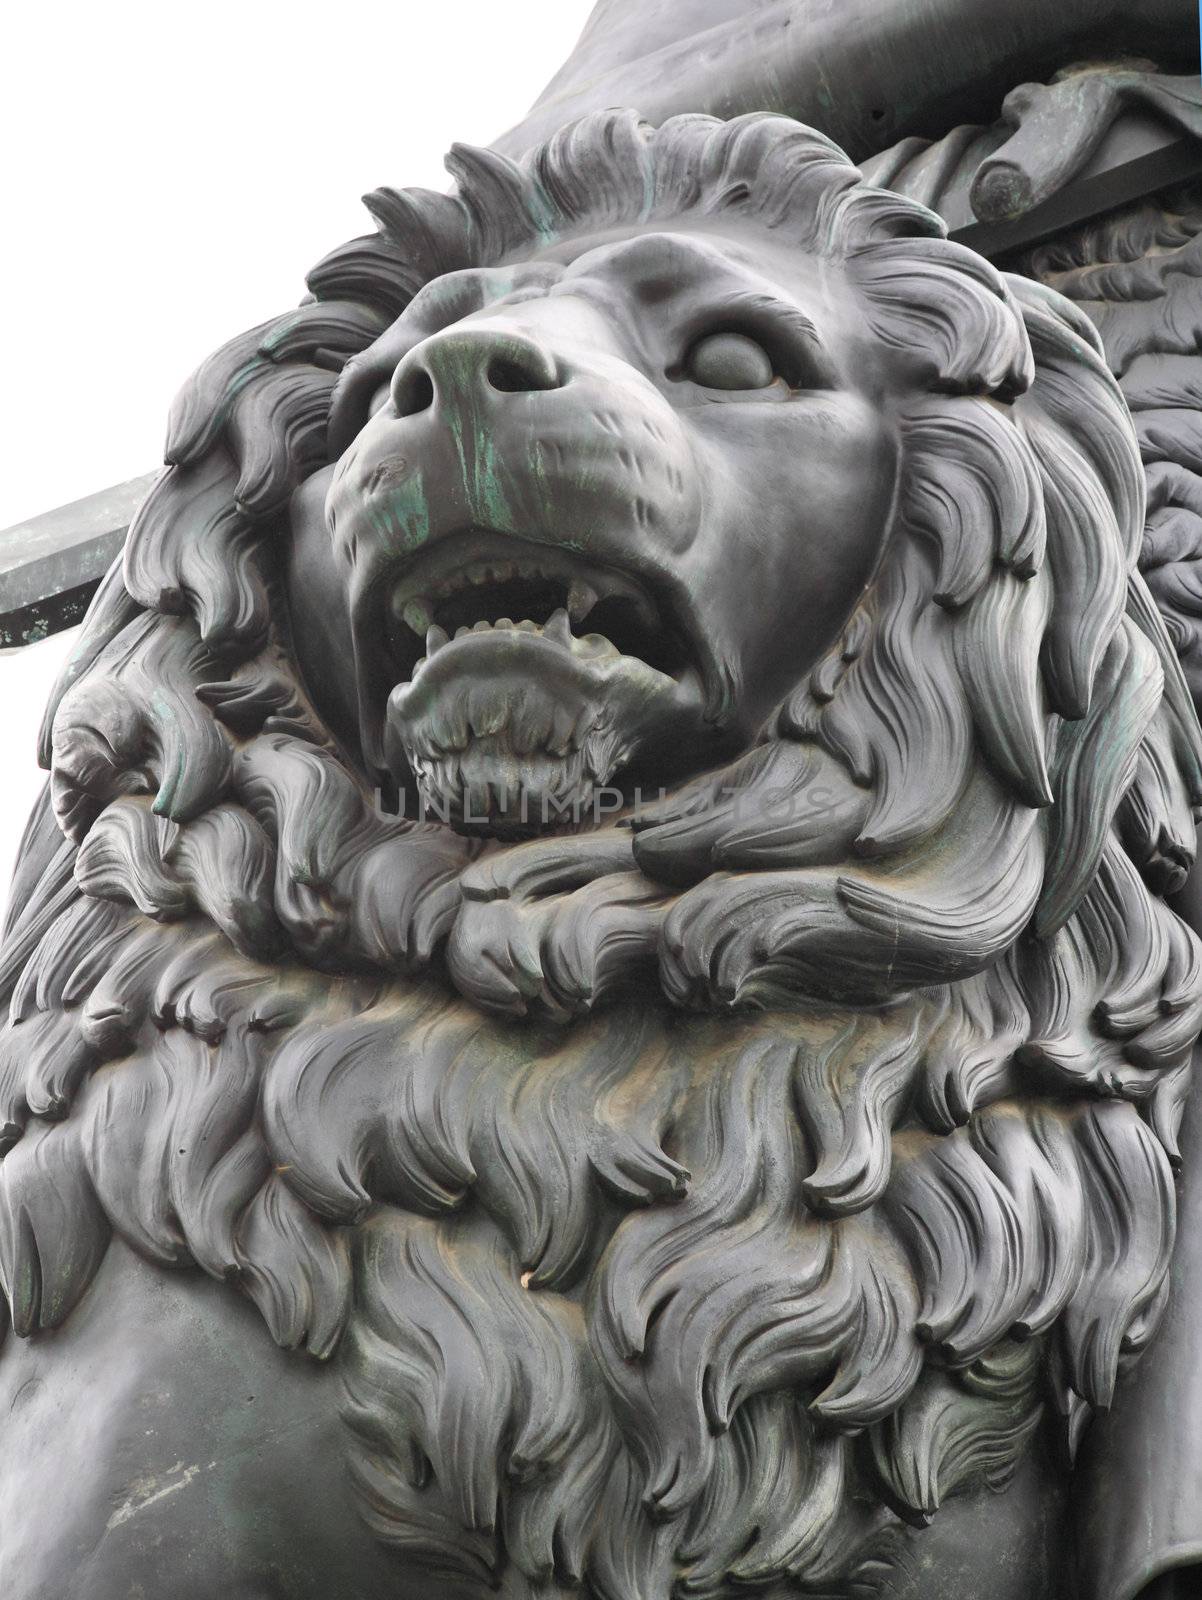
(467, 362)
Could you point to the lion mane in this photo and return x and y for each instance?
(688, 1201)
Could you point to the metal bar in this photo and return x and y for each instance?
(50, 565)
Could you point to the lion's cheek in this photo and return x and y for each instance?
(798, 500)
(378, 507)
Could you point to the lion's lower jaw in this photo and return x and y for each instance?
(490, 789)
(511, 730)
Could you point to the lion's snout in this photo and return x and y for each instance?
(469, 365)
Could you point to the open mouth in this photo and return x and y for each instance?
(524, 677)
(480, 582)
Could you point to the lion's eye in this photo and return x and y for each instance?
(729, 361)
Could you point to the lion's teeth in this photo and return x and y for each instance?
(593, 645)
(558, 629)
(461, 632)
(436, 637)
(417, 614)
(582, 597)
(482, 626)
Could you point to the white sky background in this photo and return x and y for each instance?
(169, 174)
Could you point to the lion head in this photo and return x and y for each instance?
(814, 1120)
(581, 504)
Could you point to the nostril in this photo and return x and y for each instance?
(412, 391)
(507, 376)
(514, 376)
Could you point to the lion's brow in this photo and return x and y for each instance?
(761, 303)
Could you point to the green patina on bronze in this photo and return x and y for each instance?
(403, 519)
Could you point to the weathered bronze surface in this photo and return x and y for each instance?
(602, 994)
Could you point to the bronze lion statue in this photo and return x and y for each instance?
(592, 1005)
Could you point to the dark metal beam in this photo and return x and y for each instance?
(50, 565)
